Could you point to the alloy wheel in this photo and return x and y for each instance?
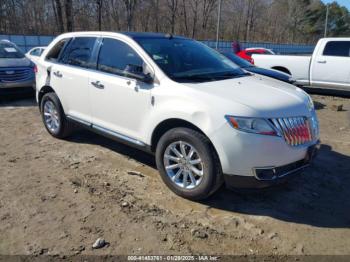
(183, 164)
(51, 116)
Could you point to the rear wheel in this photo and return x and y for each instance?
(188, 163)
(53, 116)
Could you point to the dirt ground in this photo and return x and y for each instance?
(57, 197)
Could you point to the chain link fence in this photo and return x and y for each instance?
(26, 42)
(277, 48)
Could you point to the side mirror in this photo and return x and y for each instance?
(136, 72)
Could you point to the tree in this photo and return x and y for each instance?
(58, 14)
(130, 6)
(287, 21)
(99, 11)
(172, 5)
(207, 10)
(69, 14)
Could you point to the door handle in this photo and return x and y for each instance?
(58, 74)
(322, 62)
(98, 84)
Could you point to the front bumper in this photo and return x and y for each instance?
(17, 84)
(269, 176)
(14, 88)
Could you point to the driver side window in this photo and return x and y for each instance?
(117, 57)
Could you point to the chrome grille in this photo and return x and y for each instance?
(15, 74)
(295, 130)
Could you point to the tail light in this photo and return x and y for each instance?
(35, 69)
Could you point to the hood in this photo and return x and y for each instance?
(264, 97)
(15, 62)
(270, 73)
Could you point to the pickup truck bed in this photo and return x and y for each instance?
(297, 66)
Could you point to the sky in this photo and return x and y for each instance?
(340, 2)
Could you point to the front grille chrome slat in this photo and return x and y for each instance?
(284, 130)
(290, 131)
(17, 74)
(295, 130)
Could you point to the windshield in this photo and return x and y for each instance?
(8, 50)
(185, 60)
(237, 60)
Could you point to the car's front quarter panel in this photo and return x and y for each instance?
(240, 152)
(176, 101)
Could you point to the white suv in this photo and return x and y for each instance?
(206, 120)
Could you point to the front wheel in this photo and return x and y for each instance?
(188, 163)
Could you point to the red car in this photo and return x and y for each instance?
(248, 52)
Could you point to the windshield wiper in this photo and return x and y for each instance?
(194, 78)
(210, 77)
(231, 75)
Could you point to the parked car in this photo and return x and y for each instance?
(258, 70)
(34, 53)
(206, 120)
(327, 67)
(247, 53)
(16, 71)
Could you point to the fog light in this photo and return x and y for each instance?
(265, 173)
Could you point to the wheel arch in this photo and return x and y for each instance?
(44, 90)
(171, 123)
(282, 69)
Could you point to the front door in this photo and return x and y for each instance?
(119, 102)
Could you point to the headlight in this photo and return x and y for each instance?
(252, 125)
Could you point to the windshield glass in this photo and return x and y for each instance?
(8, 50)
(237, 60)
(186, 60)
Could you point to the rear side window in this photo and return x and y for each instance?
(337, 48)
(35, 52)
(263, 52)
(115, 56)
(78, 52)
(55, 52)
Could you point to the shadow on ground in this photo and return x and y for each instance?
(22, 100)
(327, 91)
(319, 197)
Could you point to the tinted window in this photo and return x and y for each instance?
(186, 60)
(55, 52)
(115, 56)
(8, 50)
(262, 52)
(35, 52)
(337, 48)
(237, 60)
(78, 52)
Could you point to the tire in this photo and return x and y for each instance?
(64, 127)
(203, 185)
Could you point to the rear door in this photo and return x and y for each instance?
(331, 65)
(70, 76)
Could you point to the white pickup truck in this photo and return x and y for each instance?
(328, 67)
